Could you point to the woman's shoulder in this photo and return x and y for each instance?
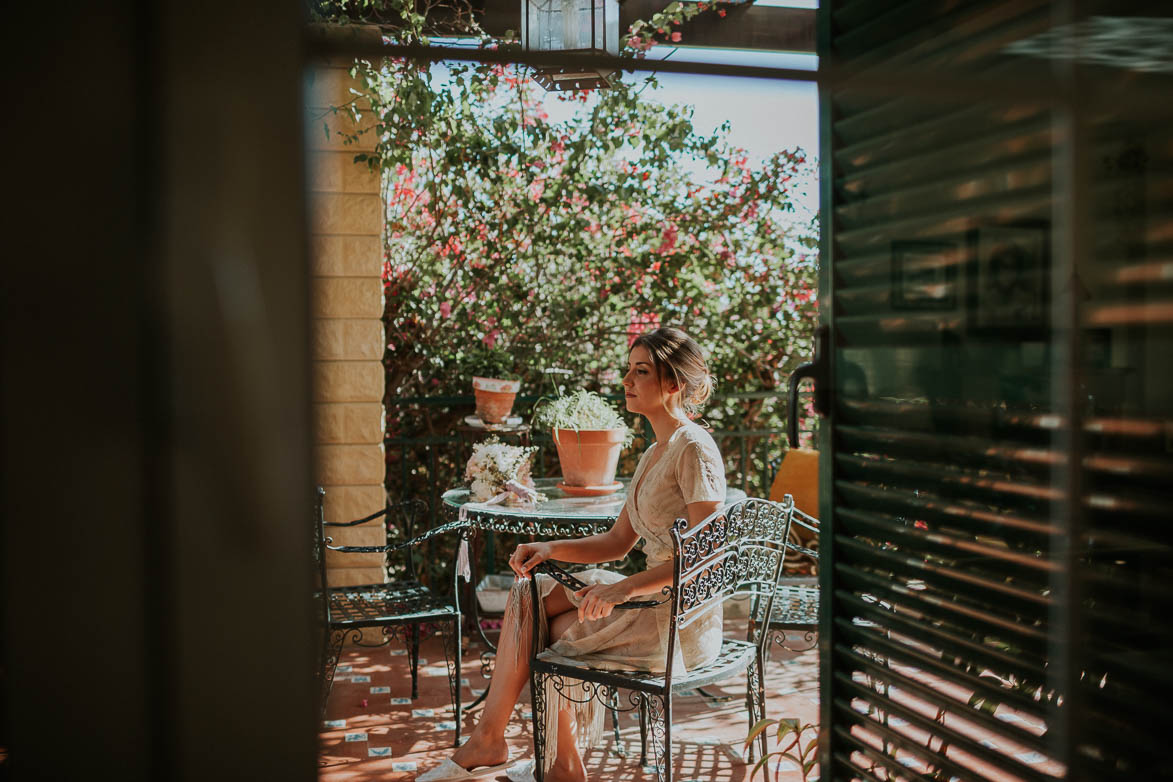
(696, 435)
(694, 432)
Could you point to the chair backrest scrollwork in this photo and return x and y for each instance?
(737, 551)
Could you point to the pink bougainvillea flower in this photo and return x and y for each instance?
(639, 323)
(675, 37)
(446, 309)
(668, 241)
(491, 338)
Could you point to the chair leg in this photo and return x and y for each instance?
(452, 655)
(413, 649)
(613, 705)
(330, 657)
(660, 731)
(538, 707)
(755, 701)
(643, 730)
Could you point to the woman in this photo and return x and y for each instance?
(681, 475)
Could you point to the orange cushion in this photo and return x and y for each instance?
(798, 476)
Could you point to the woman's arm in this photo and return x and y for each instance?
(604, 547)
(599, 599)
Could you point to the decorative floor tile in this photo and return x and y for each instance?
(360, 678)
(422, 661)
(342, 669)
(409, 737)
(988, 744)
(896, 722)
(398, 652)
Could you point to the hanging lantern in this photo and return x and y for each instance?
(571, 27)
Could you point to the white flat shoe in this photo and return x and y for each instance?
(522, 772)
(449, 771)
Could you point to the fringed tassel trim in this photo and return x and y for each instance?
(519, 604)
(587, 711)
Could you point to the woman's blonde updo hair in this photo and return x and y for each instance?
(677, 358)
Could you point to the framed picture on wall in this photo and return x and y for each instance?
(924, 275)
(1009, 277)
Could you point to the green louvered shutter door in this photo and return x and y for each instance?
(998, 279)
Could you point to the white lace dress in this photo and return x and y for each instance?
(689, 469)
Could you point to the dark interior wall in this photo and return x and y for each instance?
(155, 395)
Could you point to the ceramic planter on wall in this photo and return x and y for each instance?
(494, 398)
(588, 458)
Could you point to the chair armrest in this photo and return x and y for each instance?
(571, 582)
(359, 549)
(356, 522)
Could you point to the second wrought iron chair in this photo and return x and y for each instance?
(736, 551)
(796, 599)
(402, 608)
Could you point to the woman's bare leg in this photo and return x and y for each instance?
(486, 744)
(568, 765)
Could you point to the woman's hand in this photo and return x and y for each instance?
(527, 556)
(599, 599)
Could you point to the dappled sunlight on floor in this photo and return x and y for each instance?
(373, 730)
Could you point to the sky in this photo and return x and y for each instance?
(764, 115)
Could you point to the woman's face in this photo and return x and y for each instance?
(644, 391)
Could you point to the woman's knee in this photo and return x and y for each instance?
(558, 602)
(561, 623)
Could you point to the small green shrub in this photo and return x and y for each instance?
(790, 744)
(581, 410)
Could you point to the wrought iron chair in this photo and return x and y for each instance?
(402, 608)
(735, 551)
(796, 599)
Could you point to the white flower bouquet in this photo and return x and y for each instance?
(496, 469)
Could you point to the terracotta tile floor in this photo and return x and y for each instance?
(374, 731)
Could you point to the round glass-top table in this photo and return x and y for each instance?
(561, 515)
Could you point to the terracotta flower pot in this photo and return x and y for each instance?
(494, 398)
(589, 456)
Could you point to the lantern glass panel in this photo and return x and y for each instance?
(571, 25)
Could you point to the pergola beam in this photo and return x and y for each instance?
(744, 26)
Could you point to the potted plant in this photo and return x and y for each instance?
(495, 382)
(589, 434)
